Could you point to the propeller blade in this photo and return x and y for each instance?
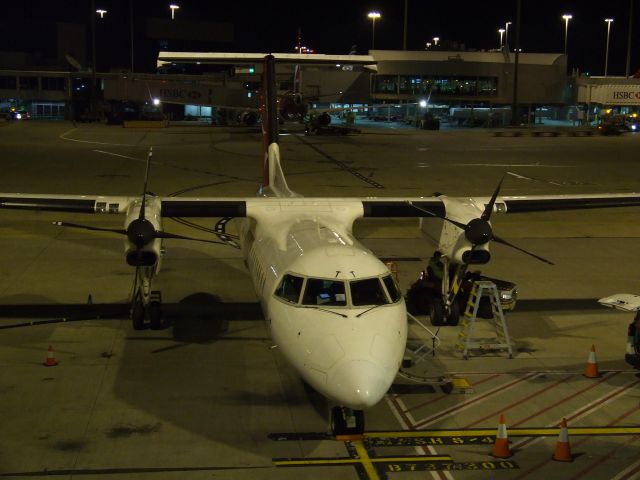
(486, 215)
(181, 237)
(88, 227)
(457, 224)
(508, 244)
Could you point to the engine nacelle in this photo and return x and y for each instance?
(449, 239)
(150, 254)
(142, 258)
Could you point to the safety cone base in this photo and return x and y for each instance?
(507, 454)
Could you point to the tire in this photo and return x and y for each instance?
(137, 316)
(454, 316)
(338, 423)
(155, 315)
(436, 312)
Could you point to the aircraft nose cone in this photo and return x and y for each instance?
(359, 384)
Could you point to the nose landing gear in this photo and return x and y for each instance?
(347, 421)
(146, 303)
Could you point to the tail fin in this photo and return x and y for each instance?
(272, 177)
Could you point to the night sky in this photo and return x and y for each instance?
(331, 26)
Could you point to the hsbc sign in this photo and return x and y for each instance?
(626, 95)
(610, 94)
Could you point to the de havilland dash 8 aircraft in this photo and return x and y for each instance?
(332, 307)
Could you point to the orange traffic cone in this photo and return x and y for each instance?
(592, 364)
(51, 361)
(501, 447)
(563, 449)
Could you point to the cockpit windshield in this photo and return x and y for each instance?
(324, 292)
(330, 292)
(290, 288)
(392, 288)
(367, 292)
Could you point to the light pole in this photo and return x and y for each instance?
(173, 8)
(506, 34)
(131, 30)
(501, 32)
(567, 17)
(435, 41)
(101, 12)
(373, 16)
(606, 56)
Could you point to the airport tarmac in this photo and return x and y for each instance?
(208, 397)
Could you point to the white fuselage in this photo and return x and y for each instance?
(350, 359)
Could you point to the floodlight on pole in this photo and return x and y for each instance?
(501, 32)
(606, 56)
(435, 41)
(101, 12)
(566, 17)
(173, 8)
(506, 34)
(374, 15)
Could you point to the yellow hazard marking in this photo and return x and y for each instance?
(372, 473)
(460, 383)
(316, 461)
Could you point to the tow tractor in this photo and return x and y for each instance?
(628, 303)
(426, 296)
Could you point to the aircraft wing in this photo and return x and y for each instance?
(375, 207)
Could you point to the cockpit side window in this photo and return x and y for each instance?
(324, 292)
(290, 288)
(367, 292)
(392, 288)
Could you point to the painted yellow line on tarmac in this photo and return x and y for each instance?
(371, 471)
(363, 457)
(514, 432)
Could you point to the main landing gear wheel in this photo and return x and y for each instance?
(155, 315)
(438, 316)
(346, 421)
(137, 315)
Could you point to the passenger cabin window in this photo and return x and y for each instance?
(367, 292)
(290, 288)
(324, 292)
(392, 288)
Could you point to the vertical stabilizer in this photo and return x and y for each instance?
(268, 112)
(273, 179)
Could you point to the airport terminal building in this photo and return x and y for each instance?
(473, 88)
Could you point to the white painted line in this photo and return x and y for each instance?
(122, 156)
(629, 473)
(581, 412)
(63, 136)
(418, 449)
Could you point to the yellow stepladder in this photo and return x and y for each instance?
(466, 340)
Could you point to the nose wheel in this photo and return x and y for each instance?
(347, 421)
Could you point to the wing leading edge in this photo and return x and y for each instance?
(371, 207)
